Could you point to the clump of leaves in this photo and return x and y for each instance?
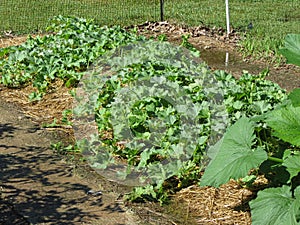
(242, 150)
(185, 43)
(72, 45)
(153, 108)
(250, 95)
(123, 108)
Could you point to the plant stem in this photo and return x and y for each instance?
(274, 159)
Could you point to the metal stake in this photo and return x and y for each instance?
(161, 10)
(227, 17)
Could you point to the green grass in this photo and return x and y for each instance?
(27, 16)
(272, 19)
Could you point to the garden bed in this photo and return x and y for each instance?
(192, 205)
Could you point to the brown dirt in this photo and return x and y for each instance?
(11, 41)
(41, 187)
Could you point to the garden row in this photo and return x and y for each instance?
(162, 117)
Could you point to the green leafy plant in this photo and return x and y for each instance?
(234, 155)
(243, 151)
(62, 149)
(51, 125)
(65, 121)
(185, 43)
(291, 49)
(251, 102)
(281, 205)
(72, 45)
(153, 121)
(281, 141)
(247, 181)
(249, 96)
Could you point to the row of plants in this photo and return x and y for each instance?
(160, 113)
(70, 47)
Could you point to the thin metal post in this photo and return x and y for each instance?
(226, 59)
(161, 10)
(227, 17)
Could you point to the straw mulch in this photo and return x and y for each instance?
(226, 205)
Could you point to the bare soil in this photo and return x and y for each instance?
(41, 187)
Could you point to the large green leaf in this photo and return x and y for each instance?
(286, 124)
(235, 156)
(276, 206)
(294, 96)
(292, 163)
(292, 49)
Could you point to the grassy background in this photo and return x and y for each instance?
(27, 16)
(272, 19)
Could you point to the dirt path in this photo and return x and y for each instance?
(38, 187)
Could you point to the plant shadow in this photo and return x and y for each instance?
(38, 185)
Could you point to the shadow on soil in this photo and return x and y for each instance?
(6, 130)
(36, 187)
